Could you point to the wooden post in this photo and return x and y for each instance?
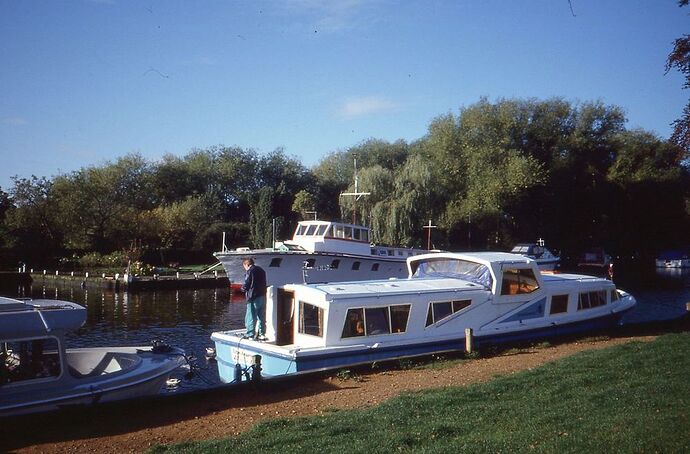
(468, 340)
(687, 307)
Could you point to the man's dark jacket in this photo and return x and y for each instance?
(254, 282)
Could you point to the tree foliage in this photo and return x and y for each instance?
(492, 174)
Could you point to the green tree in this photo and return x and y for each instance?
(679, 58)
(261, 216)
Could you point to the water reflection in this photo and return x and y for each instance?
(184, 318)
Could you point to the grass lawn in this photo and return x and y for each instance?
(629, 398)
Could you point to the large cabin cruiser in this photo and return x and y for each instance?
(500, 296)
(320, 251)
(38, 373)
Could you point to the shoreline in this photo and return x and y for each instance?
(133, 427)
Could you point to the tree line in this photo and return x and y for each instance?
(490, 175)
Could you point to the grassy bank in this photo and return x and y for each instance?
(630, 398)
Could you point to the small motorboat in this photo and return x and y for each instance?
(546, 260)
(38, 372)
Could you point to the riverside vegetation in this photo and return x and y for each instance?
(491, 175)
(629, 398)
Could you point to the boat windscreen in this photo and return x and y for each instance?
(454, 268)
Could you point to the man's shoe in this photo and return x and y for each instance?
(261, 338)
(247, 336)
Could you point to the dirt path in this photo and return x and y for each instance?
(134, 427)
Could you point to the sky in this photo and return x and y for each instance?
(83, 82)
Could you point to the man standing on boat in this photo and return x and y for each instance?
(255, 289)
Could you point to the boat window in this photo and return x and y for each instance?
(559, 304)
(348, 232)
(357, 234)
(373, 251)
(591, 299)
(322, 229)
(365, 235)
(391, 252)
(376, 321)
(311, 229)
(300, 229)
(354, 323)
(399, 316)
(375, 267)
(339, 231)
(355, 266)
(439, 310)
(400, 253)
(309, 263)
(29, 360)
(310, 319)
(614, 295)
(275, 262)
(454, 268)
(334, 264)
(517, 281)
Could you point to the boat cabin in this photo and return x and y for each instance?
(31, 339)
(324, 236)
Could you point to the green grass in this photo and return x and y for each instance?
(630, 398)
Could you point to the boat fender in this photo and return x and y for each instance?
(256, 369)
(96, 394)
(238, 373)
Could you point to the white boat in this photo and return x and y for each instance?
(546, 260)
(673, 259)
(499, 296)
(38, 373)
(320, 251)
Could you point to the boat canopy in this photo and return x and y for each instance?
(34, 318)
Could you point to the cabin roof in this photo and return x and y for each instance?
(38, 317)
(392, 286)
(491, 259)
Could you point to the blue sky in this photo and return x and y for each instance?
(83, 82)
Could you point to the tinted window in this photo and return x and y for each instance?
(376, 320)
(559, 304)
(354, 323)
(311, 319)
(29, 360)
(518, 281)
(275, 262)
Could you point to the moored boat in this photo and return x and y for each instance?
(546, 260)
(38, 372)
(499, 296)
(320, 251)
(673, 259)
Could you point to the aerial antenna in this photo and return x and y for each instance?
(357, 195)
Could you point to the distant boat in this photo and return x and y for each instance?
(547, 260)
(502, 297)
(595, 258)
(673, 259)
(320, 251)
(38, 373)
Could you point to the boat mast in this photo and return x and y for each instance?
(428, 238)
(357, 195)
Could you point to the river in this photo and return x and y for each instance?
(186, 318)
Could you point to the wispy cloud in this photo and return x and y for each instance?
(14, 121)
(367, 105)
(330, 16)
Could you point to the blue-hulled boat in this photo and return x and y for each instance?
(499, 296)
(38, 372)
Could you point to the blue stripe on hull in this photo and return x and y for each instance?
(276, 365)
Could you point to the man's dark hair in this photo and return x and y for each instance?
(248, 260)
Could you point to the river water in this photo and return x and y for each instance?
(186, 318)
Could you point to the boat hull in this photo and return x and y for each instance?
(147, 377)
(232, 350)
(289, 267)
